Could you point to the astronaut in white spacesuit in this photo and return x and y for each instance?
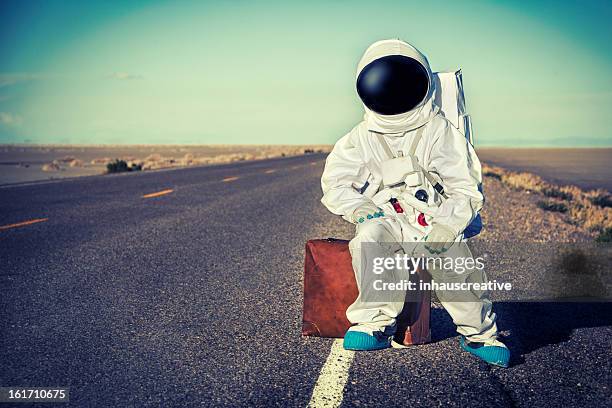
(402, 122)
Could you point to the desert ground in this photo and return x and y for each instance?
(585, 168)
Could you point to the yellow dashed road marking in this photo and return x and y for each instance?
(22, 224)
(227, 179)
(270, 171)
(313, 163)
(295, 167)
(159, 193)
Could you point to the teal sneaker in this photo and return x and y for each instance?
(354, 340)
(492, 351)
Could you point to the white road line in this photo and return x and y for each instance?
(329, 389)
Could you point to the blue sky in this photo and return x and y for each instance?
(536, 73)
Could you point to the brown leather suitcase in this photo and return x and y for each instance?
(330, 287)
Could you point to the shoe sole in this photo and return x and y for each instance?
(396, 345)
(481, 359)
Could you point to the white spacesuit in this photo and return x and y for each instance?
(356, 187)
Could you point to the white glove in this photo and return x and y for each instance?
(366, 212)
(439, 239)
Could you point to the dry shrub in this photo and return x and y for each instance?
(120, 166)
(549, 205)
(523, 181)
(156, 161)
(155, 157)
(102, 160)
(161, 163)
(563, 193)
(188, 159)
(593, 217)
(590, 209)
(54, 166)
(600, 197)
(76, 163)
(134, 164)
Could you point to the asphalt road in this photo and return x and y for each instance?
(194, 298)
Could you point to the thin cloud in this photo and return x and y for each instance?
(12, 78)
(10, 119)
(124, 76)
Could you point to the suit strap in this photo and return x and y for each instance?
(385, 145)
(413, 146)
(437, 186)
(416, 140)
